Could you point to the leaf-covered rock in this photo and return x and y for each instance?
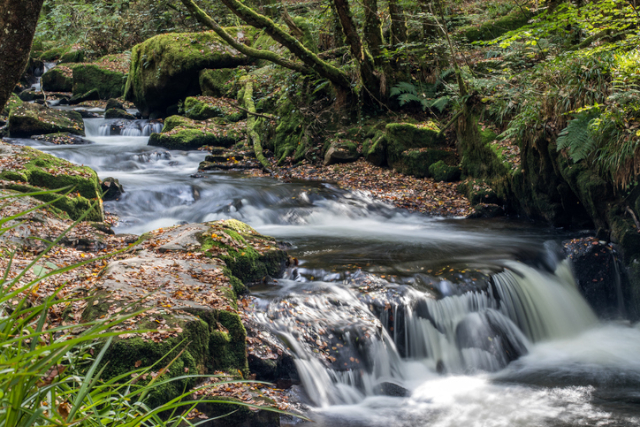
(33, 119)
(181, 133)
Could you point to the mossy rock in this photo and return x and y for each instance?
(341, 151)
(413, 148)
(13, 102)
(495, 28)
(181, 133)
(35, 171)
(33, 119)
(54, 53)
(86, 77)
(59, 79)
(72, 56)
(375, 150)
(165, 69)
(290, 130)
(220, 82)
(204, 107)
(440, 171)
(92, 95)
(117, 113)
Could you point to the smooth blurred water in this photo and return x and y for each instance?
(571, 370)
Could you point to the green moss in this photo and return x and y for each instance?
(33, 119)
(289, 131)
(117, 113)
(57, 80)
(440, 171)
(202, 108)
(72, 56)
(109, 84)
(307, 29)
(165, 68)
(13, 102)
(375, 150)
(54, 53)
(220, 82)
(491, 29)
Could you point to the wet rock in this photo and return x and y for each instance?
(62, 138)
(33, 119)
(111, 189)
(341, 151)
(58, 79)
(114, 103)
(391, 389)
(116, 113)
(91, 95)
(269, 360)
(196, 175)
(87, 114)
(30, 95)
(599, 272)
(486, 210)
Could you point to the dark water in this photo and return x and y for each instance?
(448, 284)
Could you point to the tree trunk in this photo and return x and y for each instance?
(311, 60)
(338, 34)
(369, 80)
(373, 30)
(18, 20)
(398, 23)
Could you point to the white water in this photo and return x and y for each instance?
(570, 370)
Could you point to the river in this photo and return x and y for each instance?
(422, 321)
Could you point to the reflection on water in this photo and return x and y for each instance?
(500, 338)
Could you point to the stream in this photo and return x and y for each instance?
(422, 321)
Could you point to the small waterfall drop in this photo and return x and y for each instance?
(348, 349)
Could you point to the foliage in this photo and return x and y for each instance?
(425, 94)
(576, 137)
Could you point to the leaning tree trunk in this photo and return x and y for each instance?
(398, 23)
(18, 20)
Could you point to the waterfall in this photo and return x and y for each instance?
(345, 351)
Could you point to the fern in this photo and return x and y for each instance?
(577, 138)
(408, 92)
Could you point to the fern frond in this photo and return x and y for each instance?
(408, 97)
(440, 103)
(577, 138)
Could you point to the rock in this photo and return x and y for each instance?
(30, 95)
(31, 170)
(391, 389)
(114, 103)
(375, 150)
(89, 77)
(116, 113)
(219, 83)
(165, 68)
(54, 53)
(92, 95)
(599, 273)
(87, 114)
(58, 79)
(62, 138)
(341, 151)
(413, 148)
(14, 101)
(444, 173)
(180, 133)
(76, 55)
(486, 210)
(205, 107)
(111, 189)
(33, 119)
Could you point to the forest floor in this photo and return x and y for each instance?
(423, 195)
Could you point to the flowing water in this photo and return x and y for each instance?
(396, 319)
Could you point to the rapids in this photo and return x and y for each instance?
(396, 319)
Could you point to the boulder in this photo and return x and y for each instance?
(165, 68)
(111, 189)
(30, 95)
(13, 102)
(58, 79)
(33, 119)
(486, 210)
(413, 148)
(180, 133)
(206, 107)
(221, 82)
(341, 151)
(76, 55)
(54, 53)
(116, 113)
(114, 103)
(108, 83)
(30, 170)
(375, 150)
(440, 171)
(92, 95)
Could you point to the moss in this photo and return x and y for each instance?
(109, 84)
(307, 29)
(202, 108)
(54, 53)
(13, 102)
(491, 29)
(57, 80)
(227, 350)
(165, 68)
(289, 131)
(72, 56)
(33, 119)
(220, 82)
(479, 160)
(117, 113)
(624, 232)
(375, 150)
(440, 171)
